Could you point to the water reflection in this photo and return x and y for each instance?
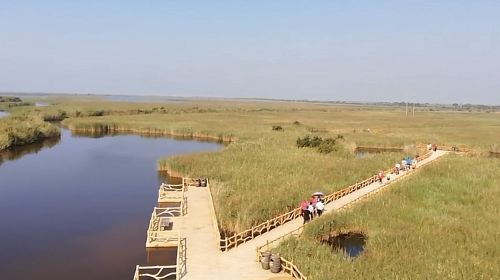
(495, 154)
(41, 104)
(363, 152)
(100, 134)
(351, 243)
(18, 152)
(4, 114)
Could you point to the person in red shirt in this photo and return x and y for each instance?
(381, 176)
(304, 211)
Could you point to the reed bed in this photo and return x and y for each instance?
(22, 130)
(262, 173)
(441, 224)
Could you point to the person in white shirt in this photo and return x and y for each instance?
(414, 163)
(311, 210)
(397, 168)
(320, 207)
(403, 165)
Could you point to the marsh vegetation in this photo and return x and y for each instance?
(262, 173)
(274, 159)
(20, 130)
(441, 224)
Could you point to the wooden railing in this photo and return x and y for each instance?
(273, 243)
(160, 272)
(159, 212)
(229, 242)
(173, 211)
(168, 192)
(449, 148)
(156, 237)
(163, 238)
(157, 272)
(290, 268)
(249, 234)
(286, 265)
(181, 259)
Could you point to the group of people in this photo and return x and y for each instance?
(432, 147)
(201, 182)
(316, 205)
(312, 207)
(407, 163)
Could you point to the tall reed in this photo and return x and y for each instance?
(440, 224)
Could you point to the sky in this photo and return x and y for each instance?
(416, 51)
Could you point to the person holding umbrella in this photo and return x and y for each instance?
(315, 198)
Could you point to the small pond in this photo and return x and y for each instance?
(4, 114)
(142, 99)
(351, 243)
(495, 154)
(363, 152)
(79, 207)
(41, 104)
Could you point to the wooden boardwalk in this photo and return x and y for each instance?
(204, 260)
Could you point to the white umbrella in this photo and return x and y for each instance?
(318, 194)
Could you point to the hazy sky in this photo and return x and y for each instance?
(426, 51)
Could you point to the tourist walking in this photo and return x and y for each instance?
(320, 207)
(403, 165)
(381, 176)
(310, 209)
(414, 163)
(304, 206)
(408, 161)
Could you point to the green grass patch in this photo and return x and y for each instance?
(441, 223)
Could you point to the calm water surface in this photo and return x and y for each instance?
(41, 104)
(78, 208)
(4, 114)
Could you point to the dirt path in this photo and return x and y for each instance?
(204, 259)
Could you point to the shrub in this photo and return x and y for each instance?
(277, 128)
(325, 146)
(96, 113)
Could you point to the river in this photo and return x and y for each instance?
(79, 208)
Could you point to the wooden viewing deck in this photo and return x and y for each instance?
(198, 230)
(172, 204)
